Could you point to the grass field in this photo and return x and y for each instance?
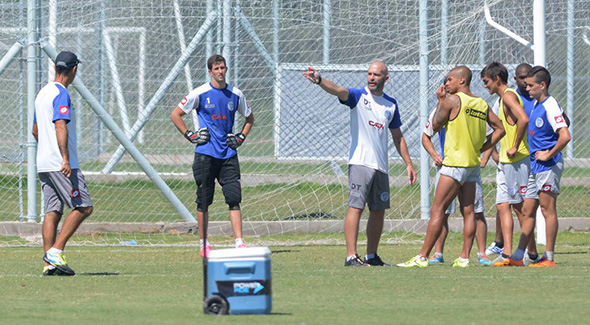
(163, 285)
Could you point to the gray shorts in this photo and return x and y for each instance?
(512, 181)
(548, 181)
(461, 174)
(478, 206)
(367, 186)
(531, 188)
(59, 190)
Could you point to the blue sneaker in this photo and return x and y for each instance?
(493, 249)
(59, 262)
(436, 259)
(483, 259)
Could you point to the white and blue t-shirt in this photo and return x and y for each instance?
(53, 103)
(545, 119)
(370, 118)
(216, 110)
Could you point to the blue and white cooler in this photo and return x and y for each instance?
(242, 277)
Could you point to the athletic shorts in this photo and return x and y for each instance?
(548, 181)
(512, 181)
(531, 188)
(478, 206)
(59, 190)
(461, 174)
(206, 170)
(367, 186)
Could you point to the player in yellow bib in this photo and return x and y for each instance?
(513, 169)
(464, 117)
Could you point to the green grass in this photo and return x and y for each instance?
(163, 285)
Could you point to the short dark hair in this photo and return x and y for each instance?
(215, 58)
(495, 69)
(541, 74)
(523, 66)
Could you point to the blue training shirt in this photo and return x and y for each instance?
(545, 119)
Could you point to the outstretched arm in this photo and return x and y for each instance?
(327, 85)
(402, 149)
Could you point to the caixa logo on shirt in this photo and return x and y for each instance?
(376, 124)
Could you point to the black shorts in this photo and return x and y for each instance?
(206, 170)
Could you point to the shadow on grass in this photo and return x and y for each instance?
(98, 274)
(572, 253)
(285, 251)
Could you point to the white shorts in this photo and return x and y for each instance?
(512, 181)
(461, 174)
(478, 206)
(548, 181)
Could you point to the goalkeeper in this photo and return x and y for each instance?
(372, 113)
(216, 155)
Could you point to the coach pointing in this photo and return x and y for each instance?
(371, 111)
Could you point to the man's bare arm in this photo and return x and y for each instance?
(513, 108)
(495, 123)
(35, 132)
(61, 132)
(327, 85)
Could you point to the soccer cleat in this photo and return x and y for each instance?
(527, 260)
(543, 263)
(355, 261)
(498, 259)
(49, 270)
(458, 263)
(509, 262)
(436, 259)
(493, 249)
(501, 261)
(242, 245)
(415, 261)
(59, 261)
(516, 263)
(376, 261)
(483, 259)
(206, 249)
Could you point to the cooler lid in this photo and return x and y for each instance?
(239, 252)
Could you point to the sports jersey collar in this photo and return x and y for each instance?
(541, 103)
(226, 85)
(59, 83)
(522, 95)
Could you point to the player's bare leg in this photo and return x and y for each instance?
(446, 191)
(351, 229)
(481, 232)
(548, 200)
(466, 200)
(439, 246)
(49, 232)
(71, 224)
(507, 225)
(374, 230)
(235, 217)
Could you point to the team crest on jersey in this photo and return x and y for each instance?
(367, 104)
(75, 193)
(559, 119)
(63, 110)
(539, 122)
(388, 115)
(230, 106)
(384, 196)
(511, 191)
(546, 188)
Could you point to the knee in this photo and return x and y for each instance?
(86, 211)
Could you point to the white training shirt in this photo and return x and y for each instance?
(53, 103)
(370, 118)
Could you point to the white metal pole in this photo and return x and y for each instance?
(444, 28)
(141, 81)
(209, 37)
(424, 95)
(227, 35)
(539, 40)
(570, 73)
(31, 94)
(327, 22)
(52, 37)
(112, 58)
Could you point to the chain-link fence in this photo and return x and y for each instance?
(294, 161)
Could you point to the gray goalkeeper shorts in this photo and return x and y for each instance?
(367, 186)
(58, 190)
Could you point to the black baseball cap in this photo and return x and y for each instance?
(66, 60)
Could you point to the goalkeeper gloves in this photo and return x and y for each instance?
(235, 140)
(199, 137)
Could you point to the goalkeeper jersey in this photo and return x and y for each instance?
(370, 118)
(216, 110)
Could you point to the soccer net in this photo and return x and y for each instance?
(293, 163)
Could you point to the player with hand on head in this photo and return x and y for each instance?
(216, 156)
(548, 134)
(464, 117)
(372, 112)
(62, 181)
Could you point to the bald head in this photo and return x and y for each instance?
(523, 68)
(462, 72)
(379, 66)
(377, 76)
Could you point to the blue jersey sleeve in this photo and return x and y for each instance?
(354, 95)
(62, 107)
(34, 117)
(396, 121)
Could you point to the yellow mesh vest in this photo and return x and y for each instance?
(466, 134)
(508, 140)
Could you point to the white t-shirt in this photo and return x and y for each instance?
(370, 118)
(53, 103)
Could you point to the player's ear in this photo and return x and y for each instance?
(386, 78)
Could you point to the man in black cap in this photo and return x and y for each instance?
(62, 181)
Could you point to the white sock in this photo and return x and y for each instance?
(239, 241)
(550, 256)
(461, 259)
(437, 254)
(350, 258)
(369, 256)
(201, 243)
(54, 251)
